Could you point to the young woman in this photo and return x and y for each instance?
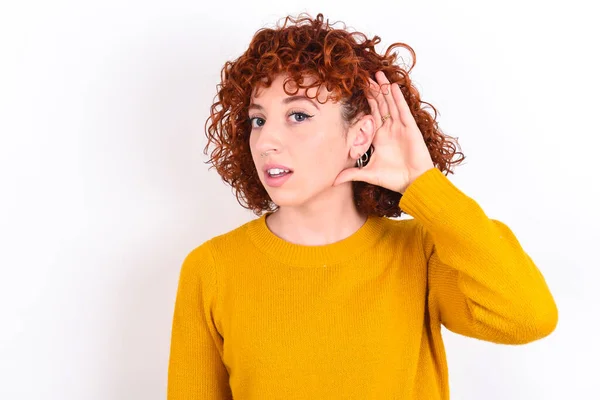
(324, 295)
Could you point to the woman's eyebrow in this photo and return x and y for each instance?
(287, 100)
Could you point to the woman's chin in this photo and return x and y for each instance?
(287, 199)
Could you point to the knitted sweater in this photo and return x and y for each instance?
(257, 317)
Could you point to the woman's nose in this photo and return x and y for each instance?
(269, 138)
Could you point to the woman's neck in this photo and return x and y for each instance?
(319, 223)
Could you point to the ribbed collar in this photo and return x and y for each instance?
(314, 256)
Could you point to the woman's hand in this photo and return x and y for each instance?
(400, 154)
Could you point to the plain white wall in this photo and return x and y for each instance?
(105, 190)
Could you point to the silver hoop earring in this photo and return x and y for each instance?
(364, 159)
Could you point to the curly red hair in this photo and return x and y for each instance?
(342, 61)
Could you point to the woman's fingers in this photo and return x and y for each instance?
(380, 100)
(373, 103)
(388, 98)
(406, 117)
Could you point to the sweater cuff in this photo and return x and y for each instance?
(430, 194)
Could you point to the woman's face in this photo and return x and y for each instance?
(305, 143)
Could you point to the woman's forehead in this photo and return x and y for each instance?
(278, 89)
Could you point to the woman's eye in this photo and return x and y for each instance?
(259, 122)
(300, 116)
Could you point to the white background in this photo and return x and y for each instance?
(105, 190)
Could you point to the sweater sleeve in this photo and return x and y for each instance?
(196, 370)
(481, 282)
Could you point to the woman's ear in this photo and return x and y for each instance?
(360, 136)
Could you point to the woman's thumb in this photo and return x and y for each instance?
(348, 175)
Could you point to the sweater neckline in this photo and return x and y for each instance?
(316, 255)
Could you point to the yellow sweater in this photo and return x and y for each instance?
(259, 318)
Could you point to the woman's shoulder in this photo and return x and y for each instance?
(404, 233)
(203, 263)
(402, 227)
(225, 241)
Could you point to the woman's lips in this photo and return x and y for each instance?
(276, 181)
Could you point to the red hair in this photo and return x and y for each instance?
(342, 61)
